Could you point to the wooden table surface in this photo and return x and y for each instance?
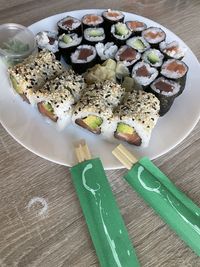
(60, 237)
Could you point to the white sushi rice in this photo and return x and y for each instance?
(177, 54)
(153, 73)
(107, 50)
(173, 74)
(42, 39)
(90, 38)
(74, 56)
(155, 31)
(175, 87)
(75, 40)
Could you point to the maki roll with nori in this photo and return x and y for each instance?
(144, 74)
(96, 105)
(111, 17)
(69, 25)
(120, 33)
(49, 41)
(154, 57)
(134, 119)
(92, 20)
(83, 58)
(176, 70)
(138, 43)
(172, 50)
(93, 36)
(166, 91)
(154, 36)
(127, 55)
(106, 51)
(67, 44)
(136, 27)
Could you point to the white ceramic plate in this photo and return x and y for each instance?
(29, 128)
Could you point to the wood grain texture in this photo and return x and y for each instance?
(60, 238)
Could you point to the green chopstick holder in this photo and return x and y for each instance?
(104, 221)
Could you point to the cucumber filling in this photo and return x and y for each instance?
(153, 58)
(121, 29)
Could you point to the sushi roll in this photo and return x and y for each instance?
(144, 74)
(83, 58)
(154, 57)
(176, 70)
(172, 50)
(111, 17)
(134, 120)
(154, 36)
(69, 25)
(128, 56)
(96, 105)
(92, 20)
(34, 72)
(166, 91)
(49, 41)
(136, 27)
(138, 43)
(92, 36)
(54, 100)
(120, 33)
(106, 51)
(67, 44)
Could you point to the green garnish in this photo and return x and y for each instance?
(15, 46)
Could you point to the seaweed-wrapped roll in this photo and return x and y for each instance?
(49, 41)
(111, 17)
(176, 70)
(144, 74)
(69, 25)
(92, 20)
(172, 50)
(92, 36)
(83, 58)
(166, 91)
(154, 57)
(136, 27)
(120, 33)
(134, 120)
(96, 105)
(154, 36)
(127, 55)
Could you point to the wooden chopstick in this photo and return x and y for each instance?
(124, 156)
(82, 151)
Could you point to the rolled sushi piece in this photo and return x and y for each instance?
(166, 91)
(138, 43)
(55, 99)
(172, 50)
(136, 27)
(154, 36)
(128, 56)
(111, 17)
(144, 74)
(106, 51)
(32, 74)
(154, 57)
(176, 70)
(92, 36)
(120, 33)
(49, 41)
(134, 120)
(83, 58)
(68, 44)
(96, 105)
(92, 20)
(69, 25)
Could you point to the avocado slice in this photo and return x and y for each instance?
(67, 39)
(16, 85)
(48, 107)
(95, 33)
(153, 58)
(138, 44)
(121, 29)
(93, 121)
(124, 128)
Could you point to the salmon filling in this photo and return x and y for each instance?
(46, 110)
